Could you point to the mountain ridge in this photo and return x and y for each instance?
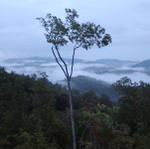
(86, 83)
(145, 63)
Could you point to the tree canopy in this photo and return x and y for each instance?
(60, 32)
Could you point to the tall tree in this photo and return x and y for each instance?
(60, 33)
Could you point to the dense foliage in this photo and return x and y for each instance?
(34, 115)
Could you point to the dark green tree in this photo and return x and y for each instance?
(60, 33)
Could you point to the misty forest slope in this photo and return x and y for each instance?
(85, 83)
(34, 115)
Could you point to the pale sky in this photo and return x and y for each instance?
(21, 35)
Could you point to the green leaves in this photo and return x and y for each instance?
(59, 32)
(55, 30)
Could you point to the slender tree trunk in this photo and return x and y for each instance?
(71, 115)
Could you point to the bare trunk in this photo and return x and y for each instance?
(71, 115)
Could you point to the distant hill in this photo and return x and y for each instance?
(103, 70)
(145, 64)
(84, 84)
(35, 61)
(114, 62)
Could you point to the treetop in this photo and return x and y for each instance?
(60, 32)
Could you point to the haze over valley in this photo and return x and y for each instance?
(108, 70)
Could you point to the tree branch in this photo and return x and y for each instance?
(73, 56)
(59, 63)
(60, 57)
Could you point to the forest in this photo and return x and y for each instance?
(34, 115)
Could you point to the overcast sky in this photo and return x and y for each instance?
(21, 35)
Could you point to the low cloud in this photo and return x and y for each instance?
(31, 66)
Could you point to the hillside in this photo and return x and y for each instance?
(34, 114)
(84, 84)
